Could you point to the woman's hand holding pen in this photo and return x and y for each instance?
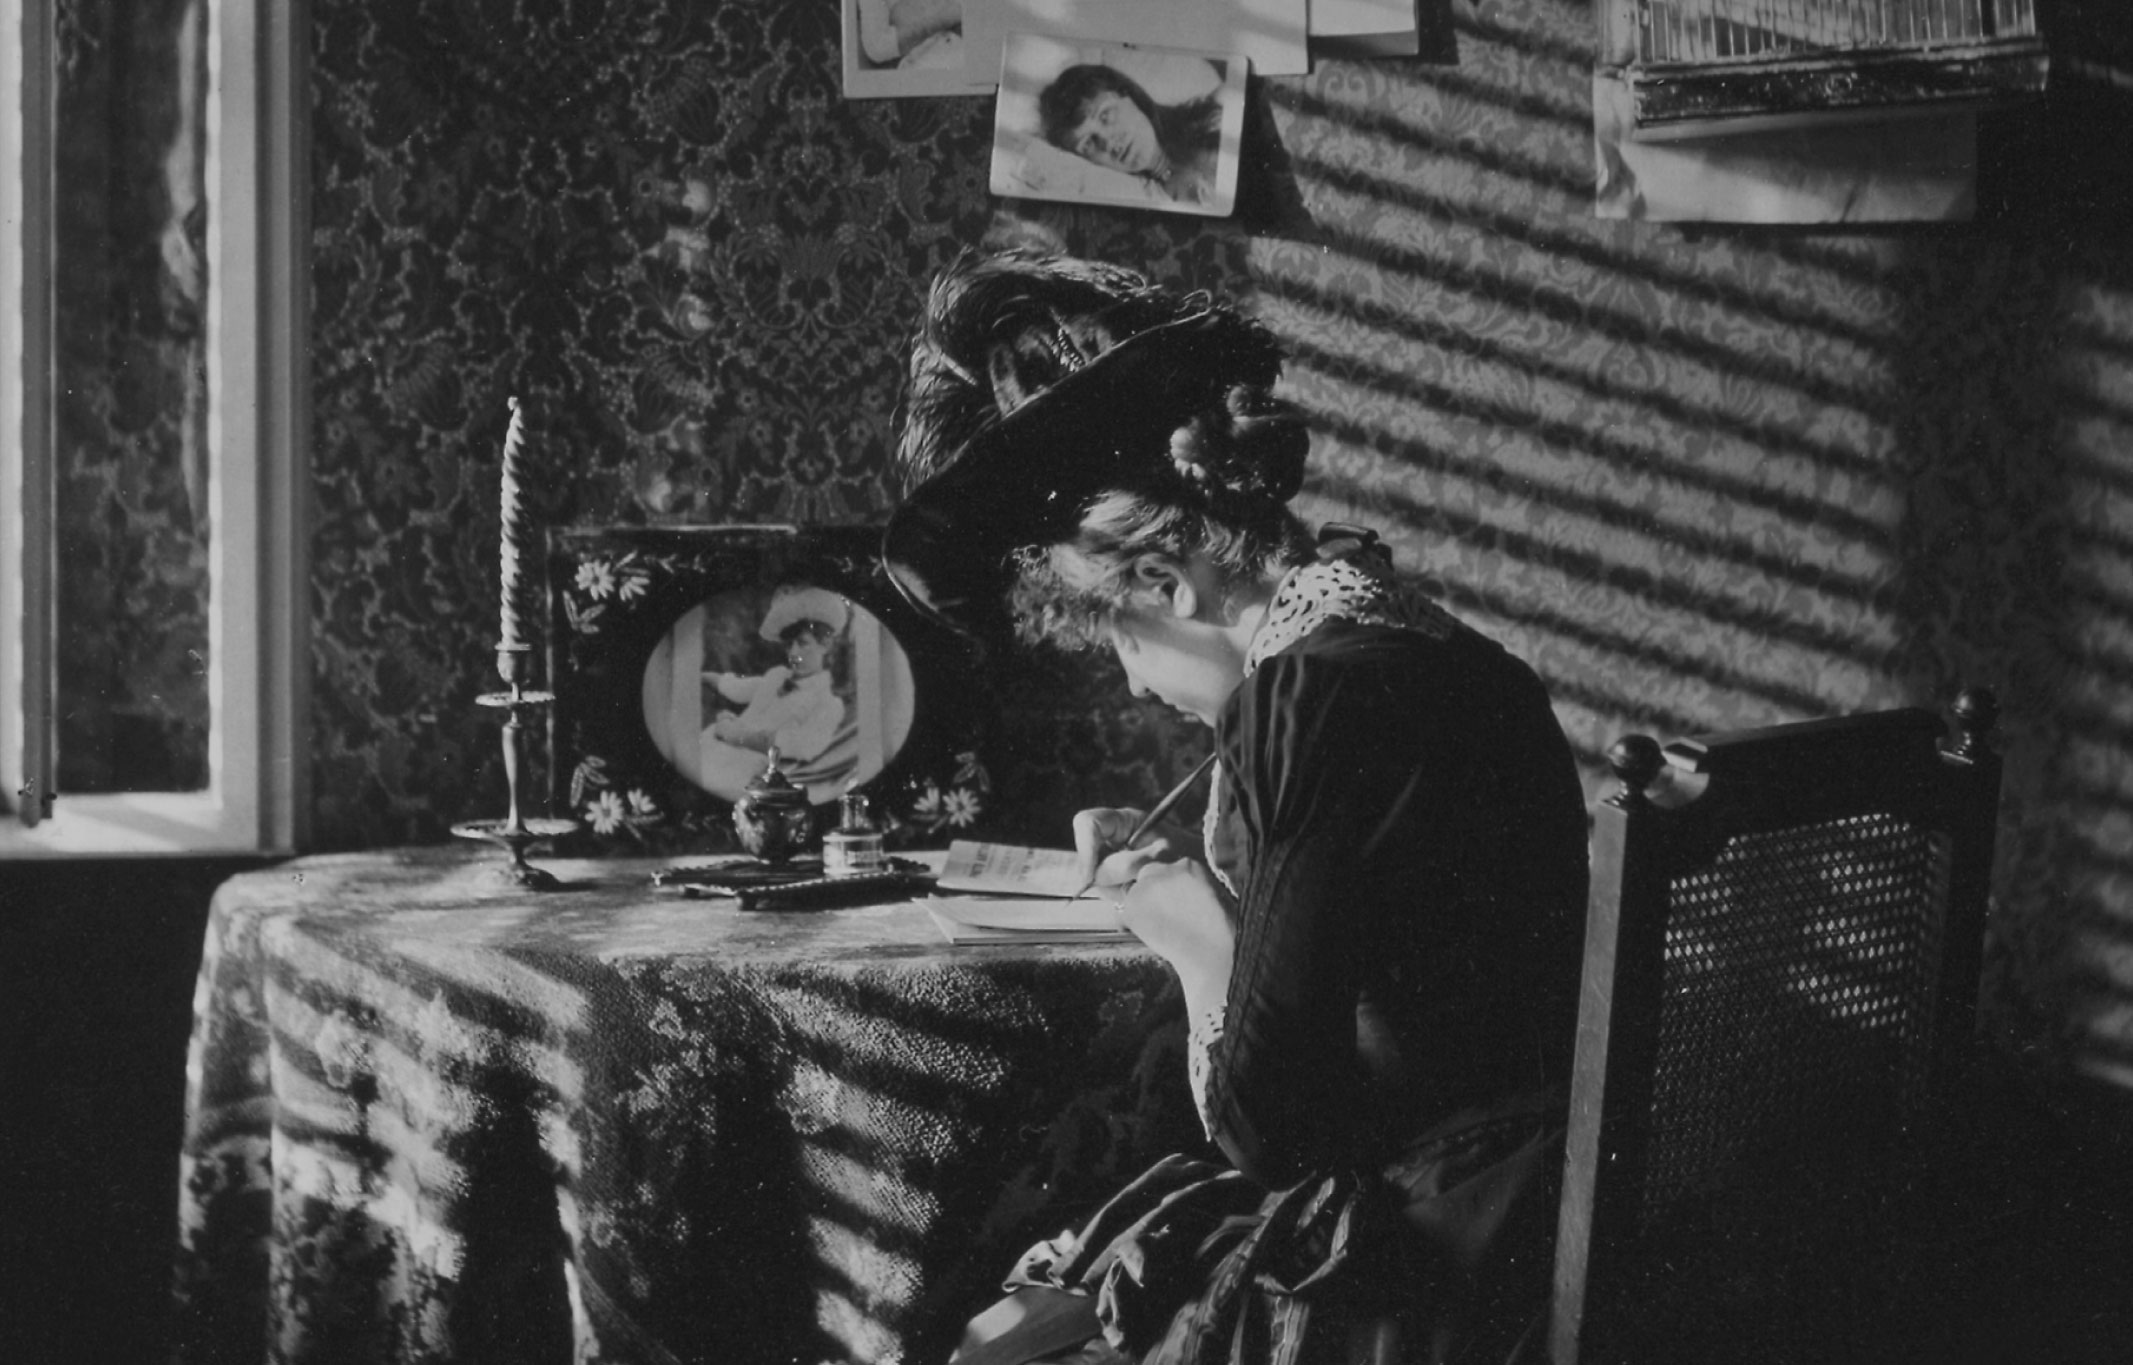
(1099, 831)
(1166, 900)
(1100, 836)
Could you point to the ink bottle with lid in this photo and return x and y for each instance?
(773, 817)
(855, 845)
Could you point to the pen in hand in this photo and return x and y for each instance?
(1157, 812)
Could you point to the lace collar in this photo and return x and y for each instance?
(1351, 583)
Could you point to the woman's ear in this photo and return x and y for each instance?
(1167, 580)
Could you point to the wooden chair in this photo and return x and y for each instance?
(1782, 955)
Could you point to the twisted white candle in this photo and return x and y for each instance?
(517, 529)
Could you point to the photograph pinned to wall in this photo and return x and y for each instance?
(1090, 123)
(1915, 168)
(1373, 28)
(1274, 35)
(683, 655)
(896, 48)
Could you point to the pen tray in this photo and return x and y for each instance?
(798, 885)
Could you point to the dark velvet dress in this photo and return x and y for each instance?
(1404, 831)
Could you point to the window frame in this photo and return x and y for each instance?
(257, 435)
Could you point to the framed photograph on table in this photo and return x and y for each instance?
(680, 656)
(1138, 127)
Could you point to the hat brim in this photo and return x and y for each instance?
(1026, 478)
(790, 605)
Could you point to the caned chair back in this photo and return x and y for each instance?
(1782, 956)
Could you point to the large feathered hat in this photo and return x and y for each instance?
(1037, 383)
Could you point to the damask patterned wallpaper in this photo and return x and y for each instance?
(1702, 478)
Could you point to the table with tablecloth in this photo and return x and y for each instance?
(433, 1117)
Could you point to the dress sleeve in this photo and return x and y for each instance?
(1329, 762)
(735, 687)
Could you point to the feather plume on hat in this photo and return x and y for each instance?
(1037, 382)
(999, 328)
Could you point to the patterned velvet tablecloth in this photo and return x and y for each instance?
(435, 1118)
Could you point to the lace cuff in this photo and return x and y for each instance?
(1200, 1043)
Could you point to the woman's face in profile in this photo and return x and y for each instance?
(1183, 667)
(1114, 132)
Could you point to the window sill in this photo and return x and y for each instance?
(153, 824)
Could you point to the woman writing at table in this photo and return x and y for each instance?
(1377, 935)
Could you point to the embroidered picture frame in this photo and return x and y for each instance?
(680, 655)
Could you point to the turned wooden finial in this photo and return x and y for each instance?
(1977, 711)
(1636, 761)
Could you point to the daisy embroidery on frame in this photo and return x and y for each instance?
(596, 579)
(605, 812)
(959, 806)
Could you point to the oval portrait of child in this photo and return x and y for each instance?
(796, 666)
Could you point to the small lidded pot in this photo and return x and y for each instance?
(855, 845)
(773, 817)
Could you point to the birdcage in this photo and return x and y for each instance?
(1704, 67)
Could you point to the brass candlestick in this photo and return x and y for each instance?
(514, 831)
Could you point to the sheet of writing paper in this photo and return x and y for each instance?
(980, 919)
(1010, 869)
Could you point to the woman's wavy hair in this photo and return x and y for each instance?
(1223, 496)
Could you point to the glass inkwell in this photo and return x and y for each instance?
(854, 847)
